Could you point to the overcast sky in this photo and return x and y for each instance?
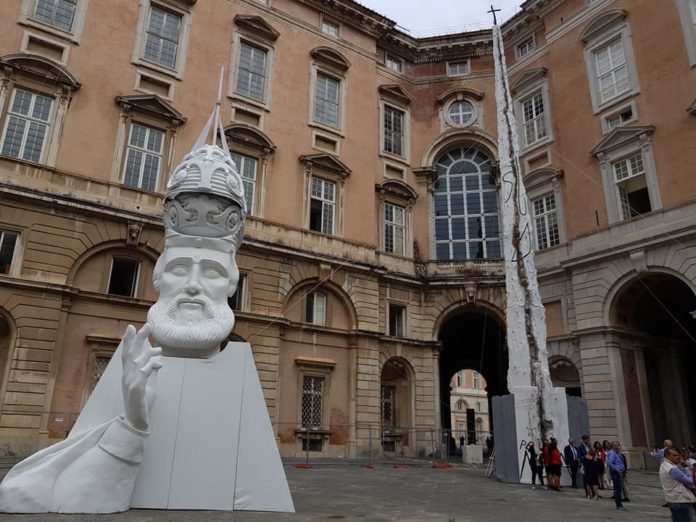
(431, 17)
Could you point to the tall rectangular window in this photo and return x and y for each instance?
(8, 243)
(162, 37)
(394, 229)
(123, 279)
(631, 187)
(388, 400)
(26, 125)
(143, 157)
(247, 169)
(315, 308)
(393, 131)
(236, 302)
(397, 320)
(533, 118)
(56, 13)
(477, 380)
(312, 402)
(545, 221)
(611, 70)
(322, 206)
(327, 100)
(251, 75)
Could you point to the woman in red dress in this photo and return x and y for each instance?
(554, 466)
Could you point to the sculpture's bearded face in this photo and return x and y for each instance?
(191, 318)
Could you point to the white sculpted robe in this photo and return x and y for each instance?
(211, 446)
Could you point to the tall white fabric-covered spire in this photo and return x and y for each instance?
(526, 323)
(215, 123)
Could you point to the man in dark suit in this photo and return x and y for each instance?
(570, 453)
(584, 447)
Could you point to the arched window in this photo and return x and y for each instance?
(466, 206)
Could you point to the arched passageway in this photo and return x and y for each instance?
(472, 338)
(654, 314)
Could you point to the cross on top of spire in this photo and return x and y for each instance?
(493, 11)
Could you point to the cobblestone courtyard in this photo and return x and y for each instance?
(417, 493)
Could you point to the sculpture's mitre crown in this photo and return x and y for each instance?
(207, 170)
(205, 199)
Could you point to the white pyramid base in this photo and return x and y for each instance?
(211, 443)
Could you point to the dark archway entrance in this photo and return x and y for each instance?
(472, 338)
(655, 312)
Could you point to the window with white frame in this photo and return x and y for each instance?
(458, 68)
(525, 47)
(56, 13)
(330, 28)
(143, 157)
(534, 118)
(8, 245)
(460, 404)
(394, 229)
(618, 118)
(315, 308)
(611, 70)
(123, 279)
(393, 130)
(460, 379)
(477, 380)
(236, 302)
(322, 207)
(466, 206)
(545, 221)
(397, 320)
(609, 59)
(460, 113)
(27, 125)
(162, 36)
(687, 13)
(393, 63)
(247, 169)
(327, 100)
(631, 186)
(251, 73)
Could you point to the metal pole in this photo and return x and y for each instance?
(432, 443)
(306, 445)
(369, 431)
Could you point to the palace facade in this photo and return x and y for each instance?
(371, 268)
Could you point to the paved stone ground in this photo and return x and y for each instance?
(419, 493)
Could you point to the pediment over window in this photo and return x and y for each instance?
(39, 69)
(331, 58)
(622, 135)
(527, 78)
(542, 176)
(249, 136)
(151, 105)
(255, 25)
(601, 22)
(327, 162)
(396, 93)
(397, 189)
(459, 93)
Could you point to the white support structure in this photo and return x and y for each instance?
(541, 411)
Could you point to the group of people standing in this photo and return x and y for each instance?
(602, 466)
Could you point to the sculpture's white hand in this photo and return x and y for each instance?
(138, 383)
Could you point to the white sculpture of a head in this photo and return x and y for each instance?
(196, 274)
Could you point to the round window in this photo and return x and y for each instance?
(460, 112)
